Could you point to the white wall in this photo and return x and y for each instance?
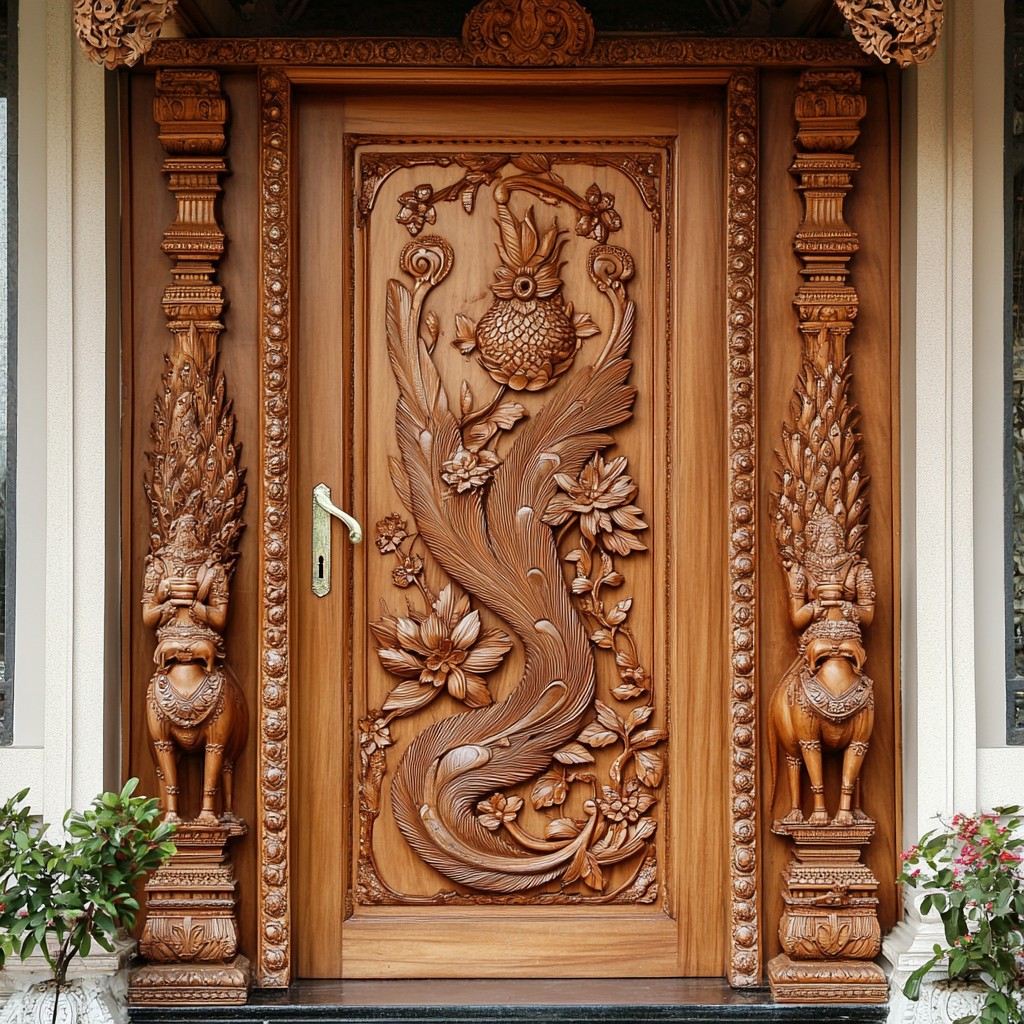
(66, 569)
(955, 755)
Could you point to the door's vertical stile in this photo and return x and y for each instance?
(744, 968)
(273, 960)
(356, 450)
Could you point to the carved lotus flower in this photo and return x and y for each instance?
(601, 497)
(468, 469)
(447, 649)
(405, 574)
(498, 810)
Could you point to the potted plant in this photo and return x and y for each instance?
(61, 897)
(973, 877)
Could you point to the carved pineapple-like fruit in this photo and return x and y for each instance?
(527, 338)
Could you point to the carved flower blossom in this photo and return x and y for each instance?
(498, 810)
(599, 219)
(445, 649)
(417, 209)
(405, 574)
(467, 469)
(601, 498)
(627, 805)
(391, 531)
(374, 734)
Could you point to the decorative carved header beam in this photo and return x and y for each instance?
(906, 32)
(117, 33)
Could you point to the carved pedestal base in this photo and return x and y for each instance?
(187, 984)
(829, 928)
(826, 981)
(191, 932)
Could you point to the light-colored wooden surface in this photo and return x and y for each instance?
(674, 430)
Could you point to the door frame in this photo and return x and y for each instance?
(445, 64)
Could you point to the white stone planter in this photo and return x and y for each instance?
(95, 993)
(81, 1001)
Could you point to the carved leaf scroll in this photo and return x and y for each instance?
(904, 31)
(119, 33)
(523, 516)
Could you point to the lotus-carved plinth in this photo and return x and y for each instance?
(191, 933)
(829, 927)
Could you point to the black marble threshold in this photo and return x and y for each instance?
(604, 1001)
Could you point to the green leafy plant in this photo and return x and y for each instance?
(60, 897)
(973, 875)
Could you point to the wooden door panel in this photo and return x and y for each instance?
(573, 843)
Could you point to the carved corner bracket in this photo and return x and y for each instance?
(824, 702)
(906, 33)
(196, 492)
(119, 33)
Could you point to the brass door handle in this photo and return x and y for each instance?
(323, 509)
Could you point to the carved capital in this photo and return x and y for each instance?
(528, 33)
(906, 32)
(118, 33)
(829, 107)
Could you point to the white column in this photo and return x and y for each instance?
(66, 568)
(939, 321)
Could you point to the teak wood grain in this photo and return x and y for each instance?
(689, 932)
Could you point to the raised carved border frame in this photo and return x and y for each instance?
(273, 926)
(283, 63)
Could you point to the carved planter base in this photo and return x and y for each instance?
(225, 984)
(829, 928)
(191, 931)
(826, 981)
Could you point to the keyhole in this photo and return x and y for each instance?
(321, 569)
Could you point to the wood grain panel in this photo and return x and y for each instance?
(698, 497)
(870, 212)
(322, 806)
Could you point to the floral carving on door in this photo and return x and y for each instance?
(508, 545)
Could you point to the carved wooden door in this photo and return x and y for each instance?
(510, 343)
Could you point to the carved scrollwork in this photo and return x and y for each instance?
(571, 506)
(527, 33)
(119, 33)
(904, 31)
(608, 51)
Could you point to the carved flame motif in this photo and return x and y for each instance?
(500, 501)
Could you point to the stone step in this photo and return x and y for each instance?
(605, 1001)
